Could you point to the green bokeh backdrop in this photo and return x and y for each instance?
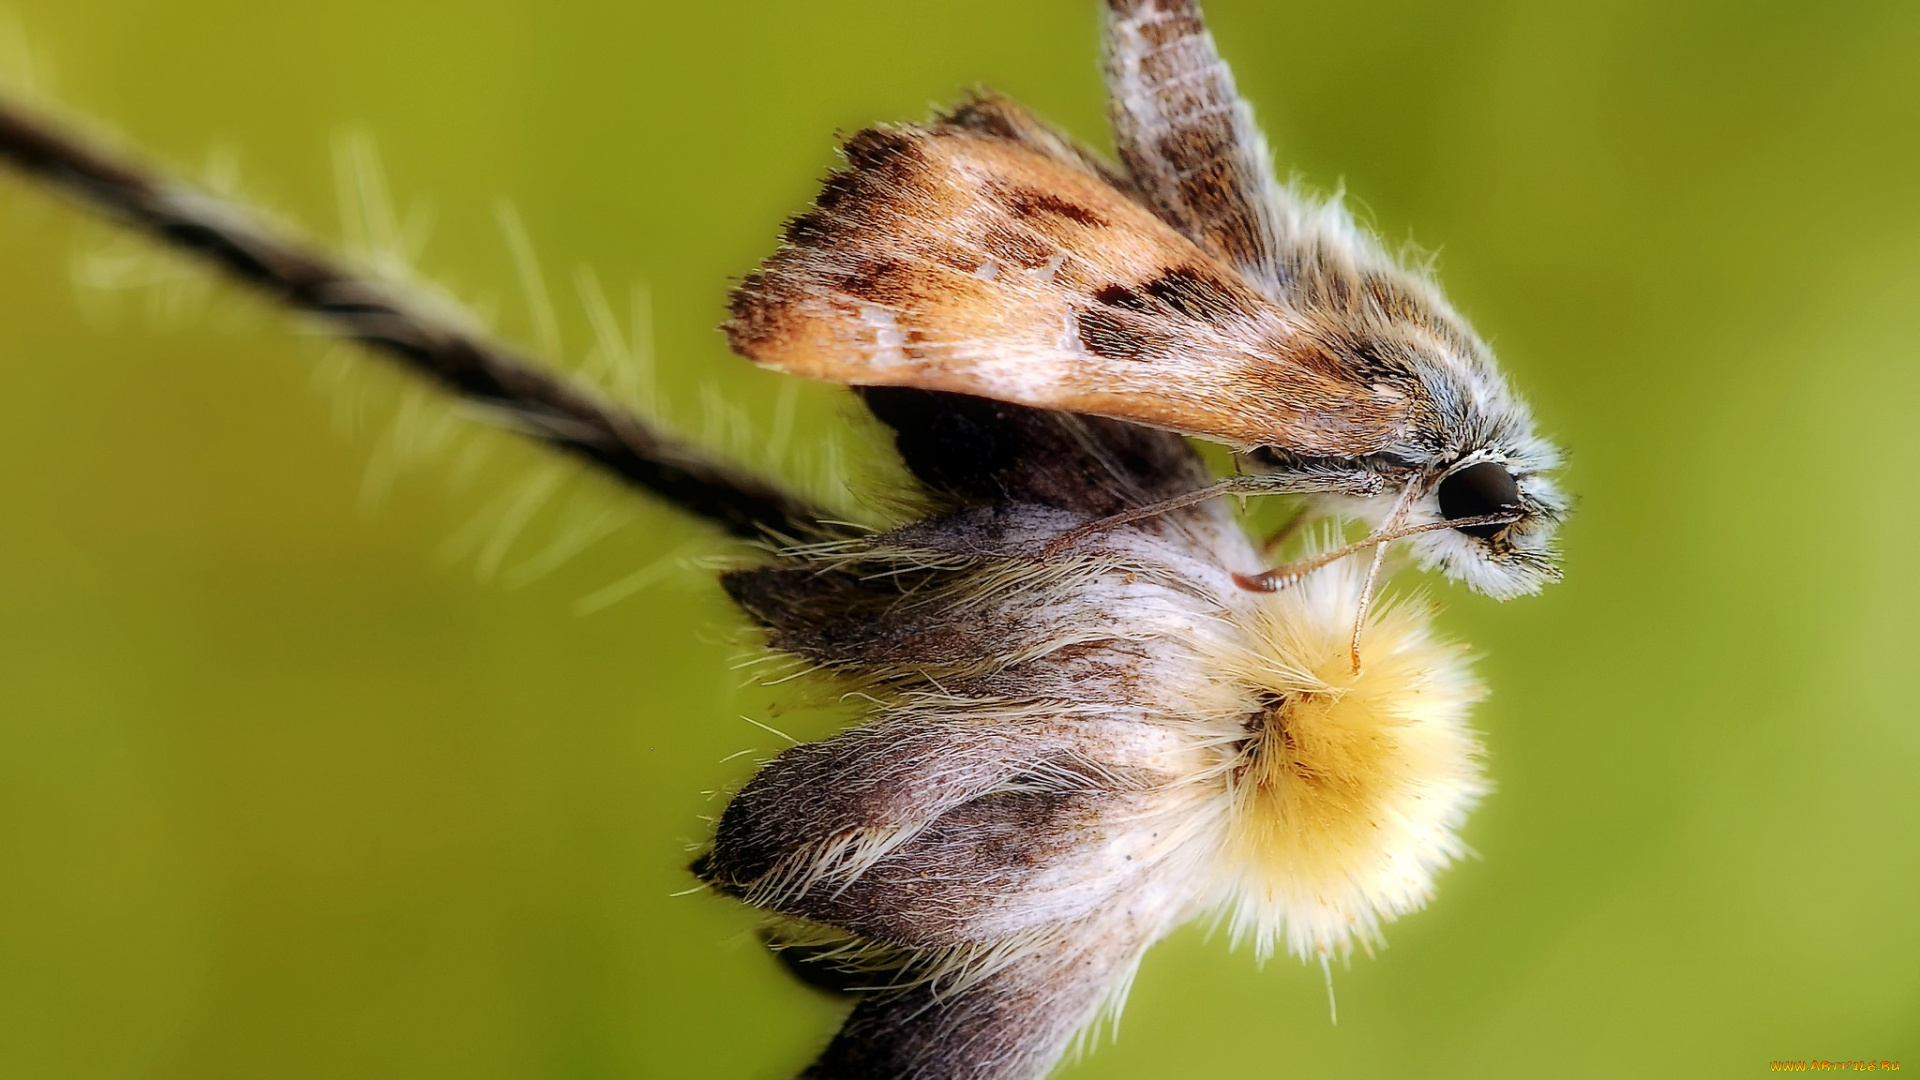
(285, 791)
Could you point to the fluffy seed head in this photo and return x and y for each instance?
(1347, 792)
(1068, 757)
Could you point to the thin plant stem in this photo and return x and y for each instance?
(385, 320)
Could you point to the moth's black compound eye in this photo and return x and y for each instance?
(1477, 490)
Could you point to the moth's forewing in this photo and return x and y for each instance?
(984, 112)
(957, 258)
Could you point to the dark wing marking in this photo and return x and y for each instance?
(984, 112)
(955, 258)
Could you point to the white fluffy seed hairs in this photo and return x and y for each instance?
(1071, 757)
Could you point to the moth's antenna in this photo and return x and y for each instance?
(1281, 577)
(1244, 485)
(1394, 517)
(381, 317)
(1366, 602)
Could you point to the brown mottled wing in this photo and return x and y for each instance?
(1188, 138)
(984, 112)
(982, 262)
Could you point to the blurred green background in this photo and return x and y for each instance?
(286, 789)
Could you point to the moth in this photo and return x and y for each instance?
(1186, 289)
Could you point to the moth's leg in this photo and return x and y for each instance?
(1281, 577)
(1292, 483)
(1187, 137)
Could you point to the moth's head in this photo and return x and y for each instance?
(1472, 494)
(1476, 458)
(1508, 508)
